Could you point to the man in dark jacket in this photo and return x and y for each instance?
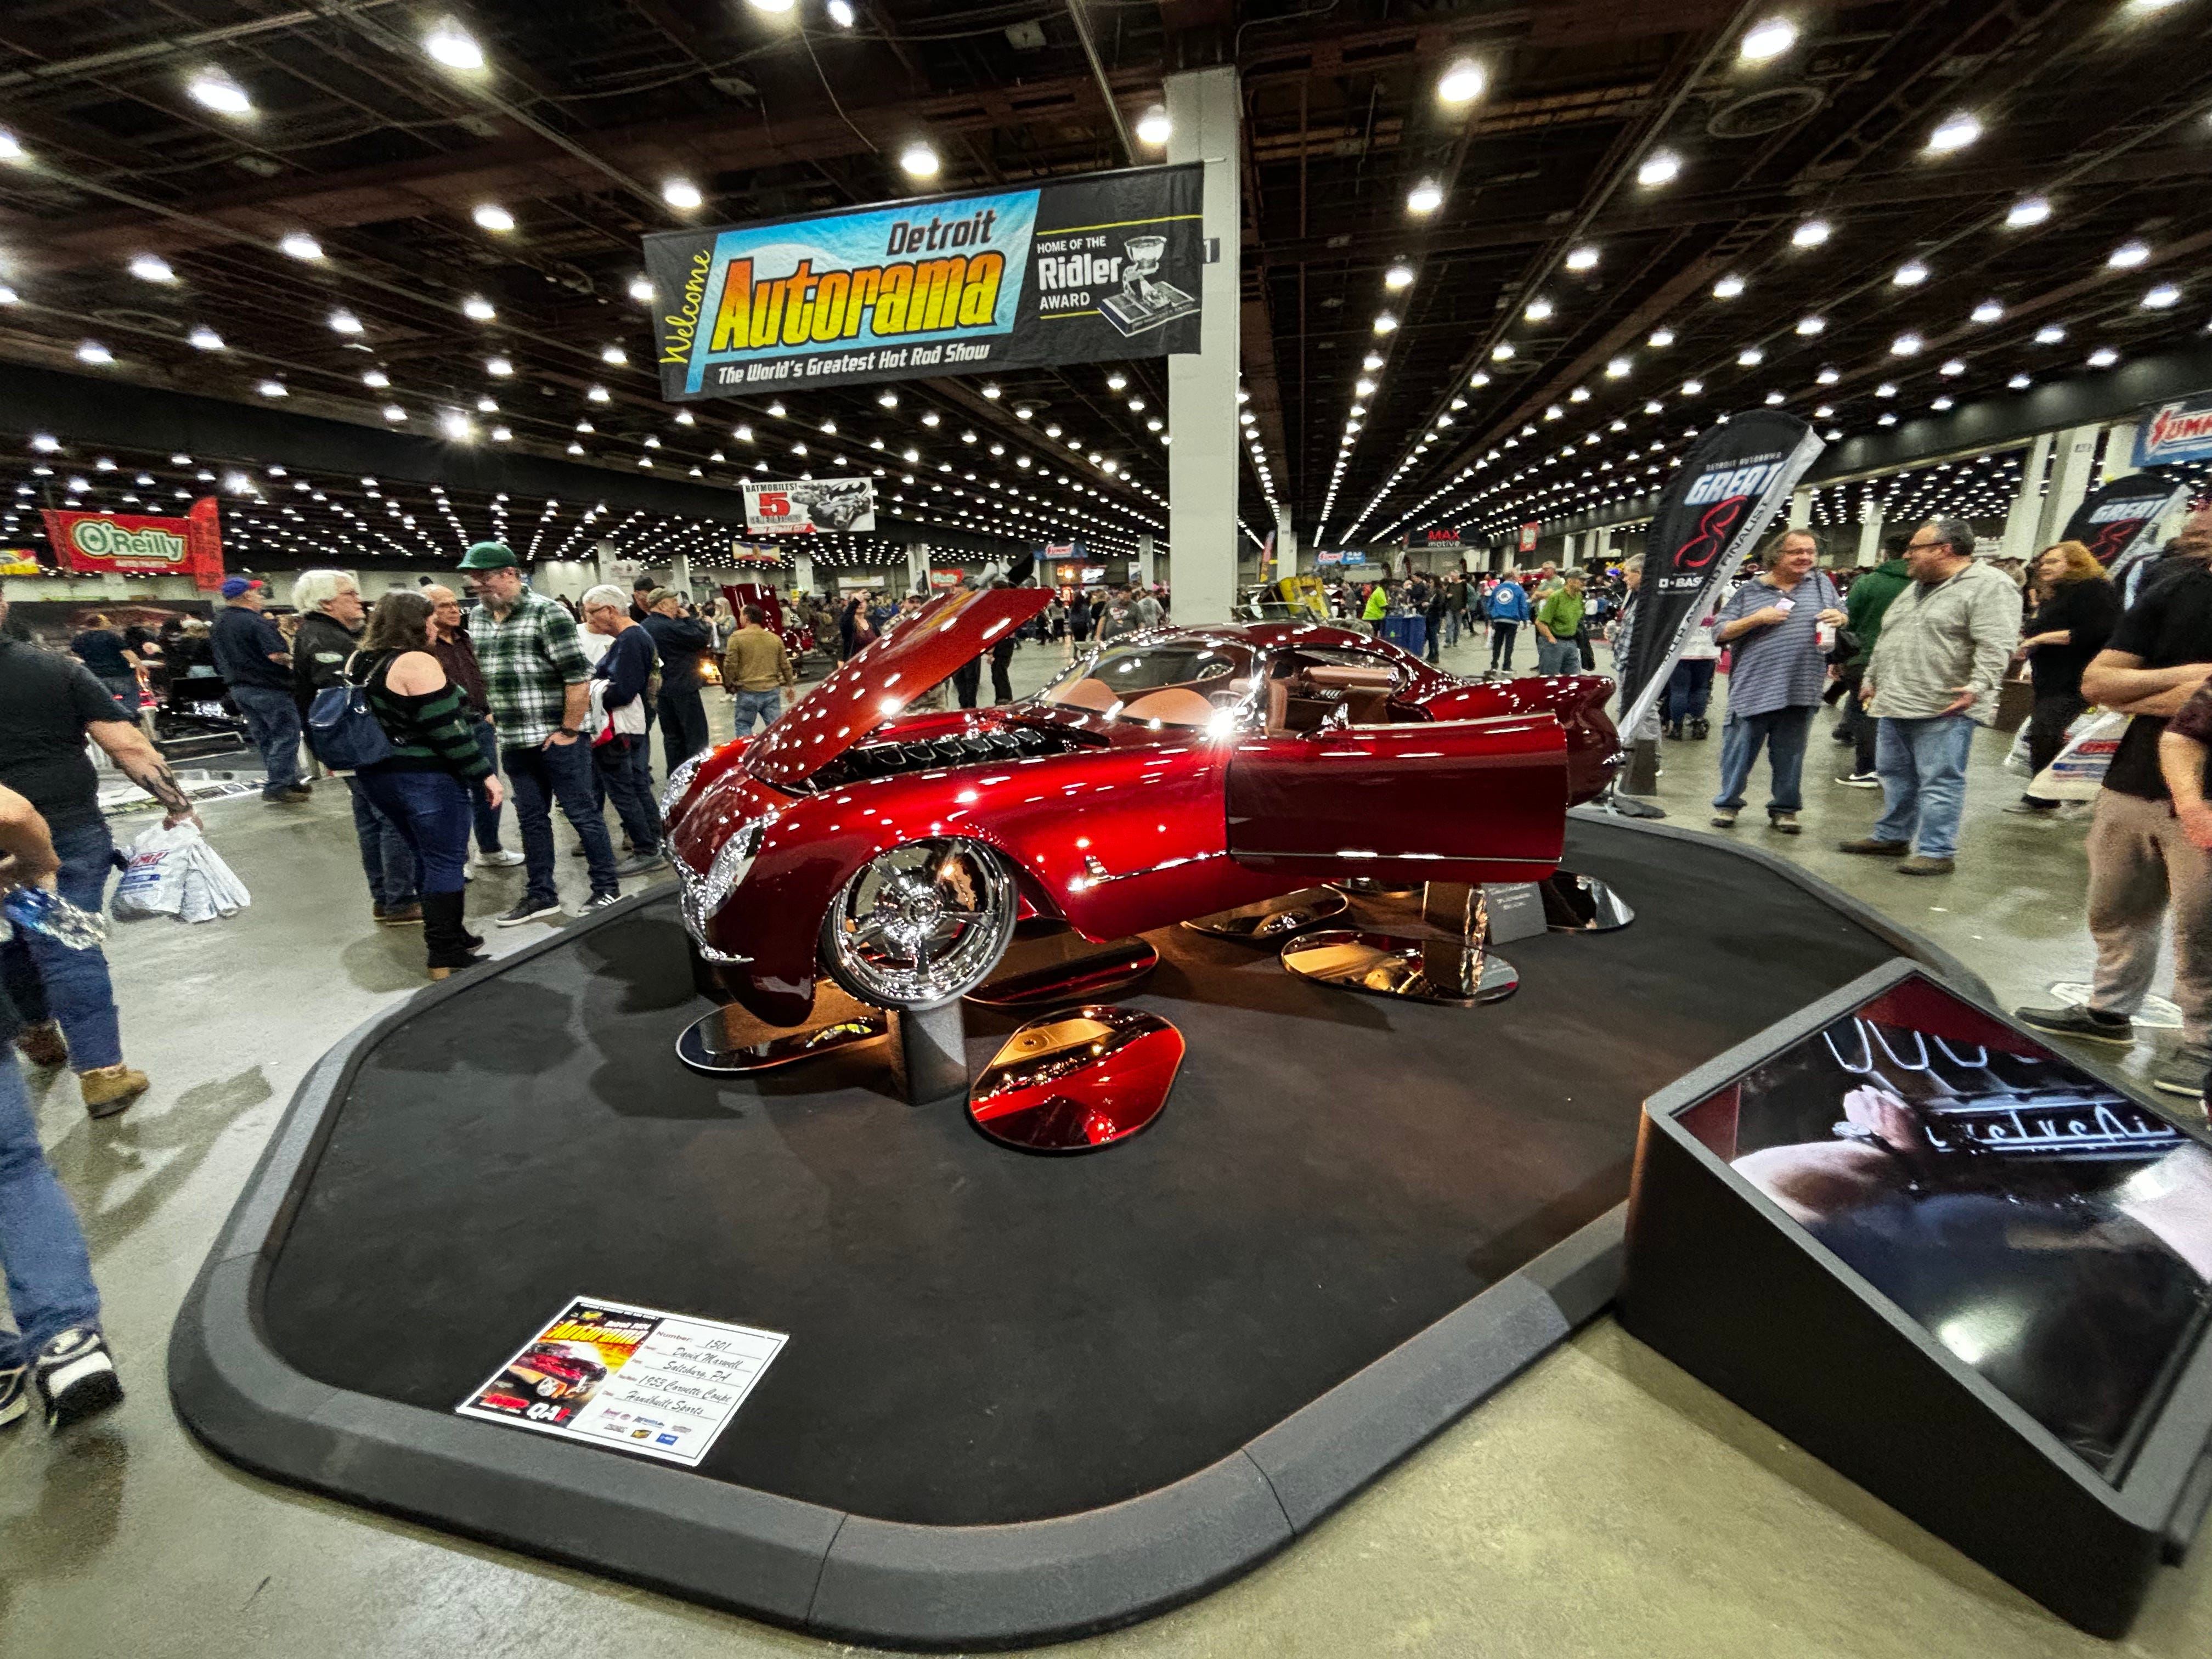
(1870, 597)
(681, 641)
(255, 666)
(330, 618)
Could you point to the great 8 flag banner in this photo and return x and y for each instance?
(1101, 267)
(2118, 522)
(1714, 509)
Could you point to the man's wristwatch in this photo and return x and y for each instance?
(570, 731)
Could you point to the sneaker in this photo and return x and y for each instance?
(1921, 865)
(1861, 781)
(1724, 817)
(1878, 848)
(640, 864)
(43, 1044)
(1783, 824)
(2077, 1019)
(500, 858)
(108, 1090)
(530, 910)
(15, 1394)
(1674, 729)
(602, 901)
(2026, 808)
(400, 915)
(75, 1377)
(1701, 728)
(1841, 735)
(2180, 1074)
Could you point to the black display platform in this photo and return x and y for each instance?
(1023, 1398)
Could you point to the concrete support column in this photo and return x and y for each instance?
(1141, 569)
(2021, 519)
(1287, 544)
(2074, 458)
(1800, 510)
(679, 575)
(2120, 450)
(802, 571)
(1570, 549)
(917, 568)
(1870, 535)
(1203, 108)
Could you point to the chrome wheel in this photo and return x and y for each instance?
(920, 925)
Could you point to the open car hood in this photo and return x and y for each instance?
(882, 680)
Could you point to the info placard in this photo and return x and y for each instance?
(662, 1384)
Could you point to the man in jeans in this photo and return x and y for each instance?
(457, 655)
(1945, 644)
(1507, 607)
(1773, 625)
(1558, 622)
(2144, 854)
(537, 681)
(256, 665)
(757, 669)
(56, 1350)
(49, 706)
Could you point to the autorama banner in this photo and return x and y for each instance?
(1097, 268)
(1714, 510)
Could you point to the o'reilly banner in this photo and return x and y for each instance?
(1095, 267)
(1714, 509)
(2118, 521)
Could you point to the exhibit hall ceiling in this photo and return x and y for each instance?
(1500, 261)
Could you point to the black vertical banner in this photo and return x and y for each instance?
(2119, 520)
(1714, 510)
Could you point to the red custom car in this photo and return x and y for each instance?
(1166, 775)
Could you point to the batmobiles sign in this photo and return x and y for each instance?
(1074, 272)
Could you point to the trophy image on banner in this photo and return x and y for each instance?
(1142, 303)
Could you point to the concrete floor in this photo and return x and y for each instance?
(1604, 1503)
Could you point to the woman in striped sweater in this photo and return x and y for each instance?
(423, 788)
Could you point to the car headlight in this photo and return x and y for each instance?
(731, 867)
(679, 781)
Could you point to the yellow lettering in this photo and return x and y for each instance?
(731, 319)
(979, 302)
(865, 281)
(937, 292)
(892, 300)
(799, 310)
(830, 306)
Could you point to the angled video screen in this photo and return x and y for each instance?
(2048, 1231)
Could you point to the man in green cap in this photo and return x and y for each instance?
(537, 681)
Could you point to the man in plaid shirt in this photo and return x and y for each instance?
(537, 681)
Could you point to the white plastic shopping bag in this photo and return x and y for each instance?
(2078, 772)
(153, 882)
(174, 872)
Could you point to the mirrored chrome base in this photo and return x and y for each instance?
(1274, 918)
(1373, 887)
(1056, 965)
(729, 1042)
(1455, 973)
(1583, 904)
(1078, 1080)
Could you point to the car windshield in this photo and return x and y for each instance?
(1170, 684)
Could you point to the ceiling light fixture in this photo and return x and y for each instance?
(1463, 83)
(1661, 167)
(152, 268)
(1399, 275)
(272, 389)
(1812, 234)
(2027, 211)
(1910, 273)
(453, 47)
(1988, 311)
(1538, 310)
(918, 160)
(344, 322)
(1953, 134)
(1153, 127)
(1906, 345)
(2162, 296)
(681, 194)
(2127, 255)
(1727, 288)
(1582, 259)
(216, 90)
(1810, 326)
(301, 245)
(1660, 338)
(1426, 196)
(2049, 334)
(204, 338)
(1770, 39)
(478, 309)
(490, 216)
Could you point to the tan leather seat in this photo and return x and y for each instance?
(1171, 705)
(1092, 694)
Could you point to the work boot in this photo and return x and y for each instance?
(2078, 1019)
(1724, 817)
(1783, 823)
(1878, 848)
(400, 915)
(1701, 728)
(108, 1090)
(1921, 865)
(445, 939)
(43, 1044)
(1674, 729)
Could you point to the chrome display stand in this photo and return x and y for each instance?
(1272, 919)
(1050, 964)
(1459, 972)
(1575, 903)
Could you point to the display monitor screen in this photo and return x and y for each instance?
(2046, 1229)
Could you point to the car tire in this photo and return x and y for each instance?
(922, 924)
(547, 1387)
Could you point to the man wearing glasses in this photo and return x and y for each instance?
(1945, 644)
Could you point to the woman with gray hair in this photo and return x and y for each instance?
(331, 616)
(621, 684)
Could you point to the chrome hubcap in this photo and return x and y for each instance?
(923, 924)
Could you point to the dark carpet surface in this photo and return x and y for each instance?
(980, 1335)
